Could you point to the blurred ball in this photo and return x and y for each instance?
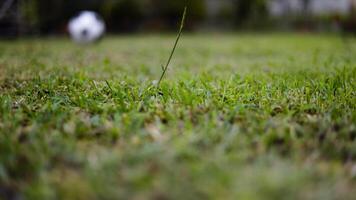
(87, 27)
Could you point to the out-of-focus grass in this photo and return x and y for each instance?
(240, 117)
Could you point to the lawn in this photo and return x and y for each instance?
(238, 116)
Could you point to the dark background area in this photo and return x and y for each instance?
(47, 17)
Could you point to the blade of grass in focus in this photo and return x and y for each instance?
(165, 68)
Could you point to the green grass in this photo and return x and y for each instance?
(243, 116)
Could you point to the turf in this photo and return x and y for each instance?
(239, 116)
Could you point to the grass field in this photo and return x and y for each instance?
(245, 116)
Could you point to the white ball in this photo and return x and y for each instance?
(87, 27)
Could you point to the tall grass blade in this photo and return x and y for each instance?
(165, 68)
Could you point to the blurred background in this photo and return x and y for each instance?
(50, 17)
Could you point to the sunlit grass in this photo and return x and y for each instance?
(242, 116)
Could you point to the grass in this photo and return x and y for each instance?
(245, 116)
(165, 67)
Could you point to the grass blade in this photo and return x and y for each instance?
(165, 68)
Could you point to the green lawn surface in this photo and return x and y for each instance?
(238, 116)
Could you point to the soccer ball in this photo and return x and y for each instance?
(87, 27)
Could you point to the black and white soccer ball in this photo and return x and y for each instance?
(87, 27)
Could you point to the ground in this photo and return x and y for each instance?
(239, 116)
